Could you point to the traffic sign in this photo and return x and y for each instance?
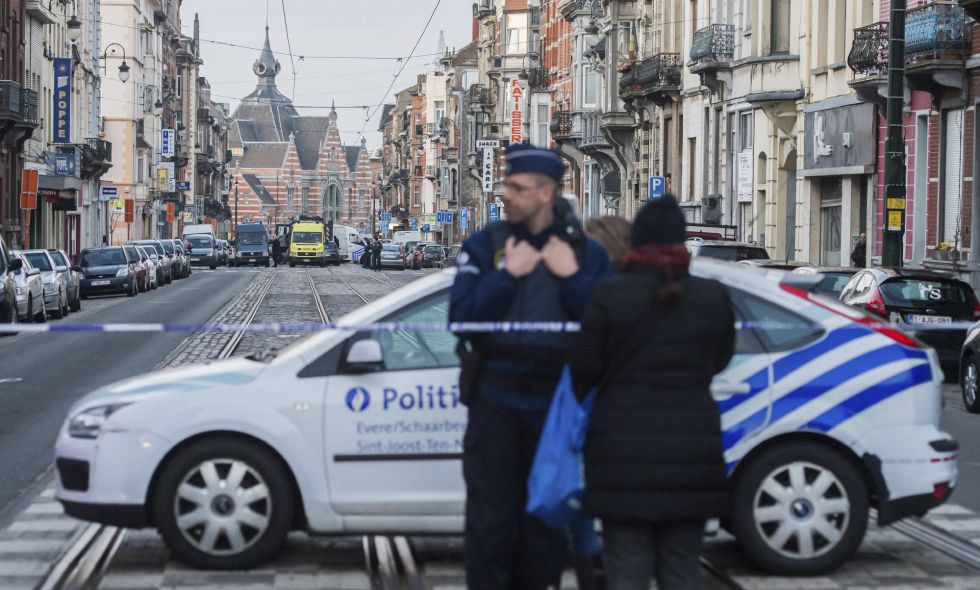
(493, 212)
(658, 187)
(464, 218)
(183, 185)
(108, 193)
(487, 144)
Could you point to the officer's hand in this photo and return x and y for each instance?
(520, 258)
(559, 257)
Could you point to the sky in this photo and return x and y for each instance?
(386, 28)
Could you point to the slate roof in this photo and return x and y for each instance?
(309, 133)
(264, 155)
(385, 116)
(467, 55)
(353, 154)
(259, 189)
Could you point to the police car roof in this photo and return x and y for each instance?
(910, 273)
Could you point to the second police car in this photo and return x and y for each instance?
(826, 413)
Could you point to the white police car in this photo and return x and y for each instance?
(825, 412)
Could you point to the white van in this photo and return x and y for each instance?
(200, 228)
(350, 243)
(403, 237)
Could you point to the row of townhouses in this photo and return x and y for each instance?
(103, 100)
(764, 116)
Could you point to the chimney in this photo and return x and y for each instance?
(476, 29)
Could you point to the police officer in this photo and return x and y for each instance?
(538, 266)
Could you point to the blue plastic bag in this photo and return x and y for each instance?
(556, 482)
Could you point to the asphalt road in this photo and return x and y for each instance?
(41, 375)
(965, 427)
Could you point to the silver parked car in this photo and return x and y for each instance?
(152, 266)
(72, 276)
(167, 264)
(29, 289)
(55, 289)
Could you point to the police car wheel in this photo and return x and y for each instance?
(224, 503)
(969, 384)
(800, 510)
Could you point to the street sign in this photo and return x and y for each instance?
(464, 218)
(488, 166)
(129, 207)
(487, 144)
(658, 187)
(425, 228)
(183, 185)
(444, 217)
(168, 142)
(413, 224)
(493, 212)
(117, 205)
(108, 193)
(516, 116)
(385, 218)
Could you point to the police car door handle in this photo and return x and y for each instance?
(727, 389)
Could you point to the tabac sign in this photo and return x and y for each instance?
(62, 100)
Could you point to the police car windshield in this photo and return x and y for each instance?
(252, 239)
(923, 293)
(307, 237)
(107, 257)
(733, 254)
(39, 261)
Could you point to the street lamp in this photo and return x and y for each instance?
(527, 62)
(74, 29)
(123, 67)
(158, 104)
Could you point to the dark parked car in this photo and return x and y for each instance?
(331, 254)
(835, 278)
(179, 265)
(924, 300)
(168, 265)
(107, 271)
(202, 249)
(416, 254)
(725, 250)
(433, 256)
(8, 294)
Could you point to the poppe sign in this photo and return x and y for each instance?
(62, 100)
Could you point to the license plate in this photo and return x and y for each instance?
(930, 319)
(99, 283)
(195, 259)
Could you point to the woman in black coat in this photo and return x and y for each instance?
(654, 463)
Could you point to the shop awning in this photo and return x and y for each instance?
(59, 183)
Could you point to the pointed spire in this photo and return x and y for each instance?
(266, 67)
(333, 109)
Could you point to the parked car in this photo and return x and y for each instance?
(452, 255)
(107, 271)
(158, 261)
(331, 253)
(392, 256)
(29, 288)
(725, 250)
(202, 250)
(416, 254)
(8, 293)
(835, 278)
(72, 278)
(166, 263)
(142, 273)
(55, 288)
(433, 256)
(775, 264)
(177, 259)
(151, 268)
(222, 248)
(180, 254)
(807, 430)
(922, 299)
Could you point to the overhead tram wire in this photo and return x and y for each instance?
(404, 63)
(289, 45)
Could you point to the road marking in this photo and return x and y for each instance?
(10, 380)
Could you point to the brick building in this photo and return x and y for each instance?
(285, 164)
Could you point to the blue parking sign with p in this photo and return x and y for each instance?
(658, 187)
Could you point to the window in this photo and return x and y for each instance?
(516, 38)
(668, 155)
(952, 176)
(290, 197)
(692, 158)
(440, 111)
(780, 25)
(746, 341)
(542, 124)
(745, 131)
(410, 351)
(591, 87)
(140, 169)
(180, 85)
(779, 329)
(305, 199)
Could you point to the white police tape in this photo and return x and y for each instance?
(458, 327)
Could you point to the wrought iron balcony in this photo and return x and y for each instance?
(936, 30)
(869, 52)
(10, 100)
(538, 80)
(29, 112)
(480, 94)
(657, 77)
(561, 125)
(713, 44)
(592, 136)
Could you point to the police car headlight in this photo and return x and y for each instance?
(88, 424)
(122, 272)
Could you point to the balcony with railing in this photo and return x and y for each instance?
(480, 95)
(10, 101)
(592, 136)
(29, 111)
(657, 78)
(936, 46)
(538, 80)
(714, 46)
(869, 51)
(561, 125)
